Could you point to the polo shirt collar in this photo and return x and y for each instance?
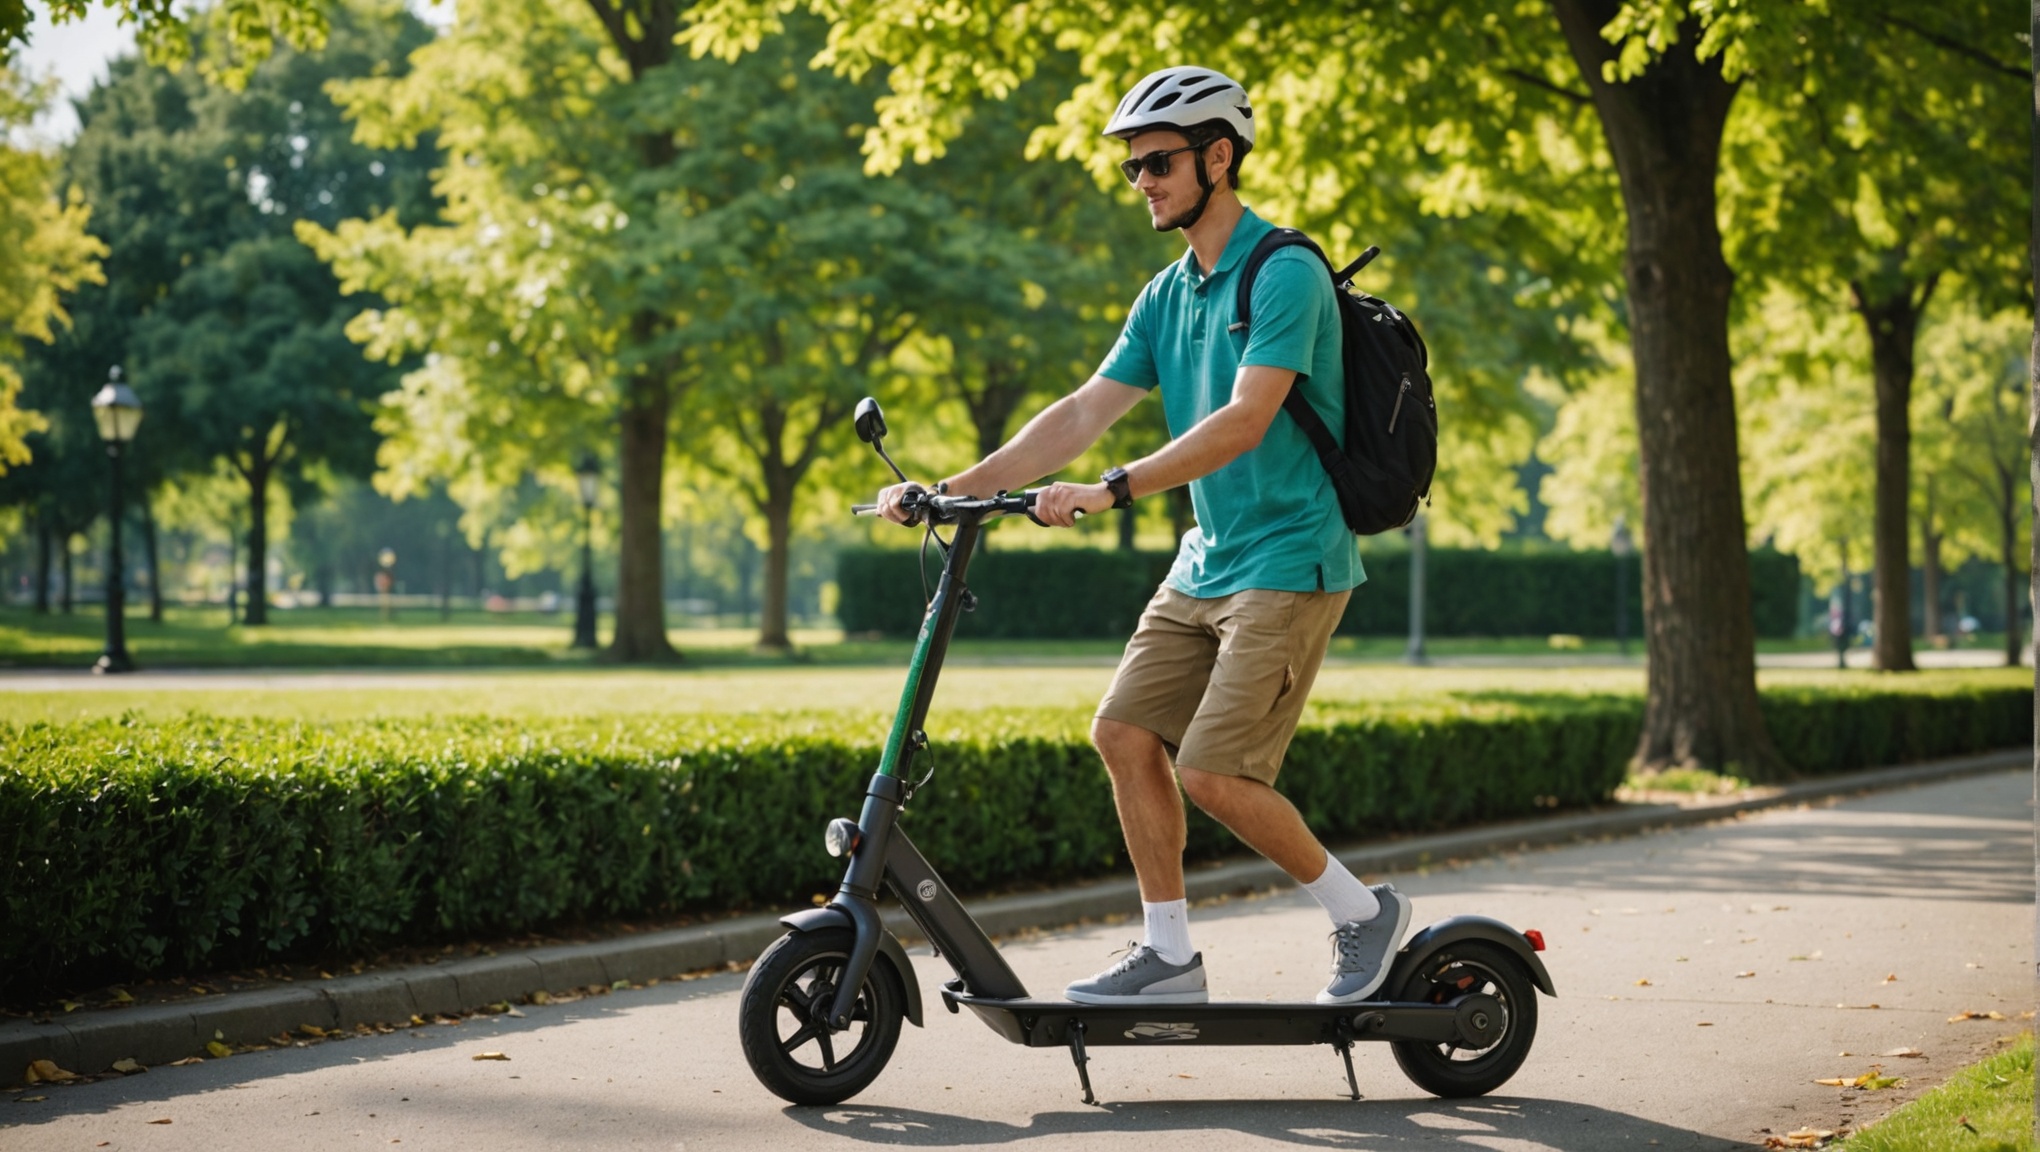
(1245, 235)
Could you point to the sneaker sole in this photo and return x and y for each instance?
(1402, 925)
(1136, 1001)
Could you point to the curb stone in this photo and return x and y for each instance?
(159, 1033)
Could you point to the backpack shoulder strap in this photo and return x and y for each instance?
(1299, 409)
(1276, 240)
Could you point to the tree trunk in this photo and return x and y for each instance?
(640, 630)
(991, 407)
(445, 577)
(772, 630)
(1930, 574)
(42, 566)
(2008, 552)
(1893, 318)
(258, 543)
(64, 556)
(1182, 513)
(1664, 130)
(155, 561)
(1128, 523)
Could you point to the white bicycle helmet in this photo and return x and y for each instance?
(1184, 97)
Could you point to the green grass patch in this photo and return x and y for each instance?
(1693, 781)
(1986, 1107)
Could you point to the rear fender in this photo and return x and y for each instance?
(1455, 929)
(814, 919)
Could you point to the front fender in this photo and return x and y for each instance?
(814, 919)
(1454, 929)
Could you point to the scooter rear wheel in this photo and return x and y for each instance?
(791, 1051)
(1467, 968)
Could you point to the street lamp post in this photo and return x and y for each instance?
(1621, 544)
(118, 413)
(1415, 653)
(588, 472)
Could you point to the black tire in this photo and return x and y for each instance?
(1463, 969)
(792, 1055)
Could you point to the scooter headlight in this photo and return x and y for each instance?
(842, 836)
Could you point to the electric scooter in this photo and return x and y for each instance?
(821, 1010)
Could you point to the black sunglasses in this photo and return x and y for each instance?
(1155, 162)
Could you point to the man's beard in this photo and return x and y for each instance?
(1188, 216)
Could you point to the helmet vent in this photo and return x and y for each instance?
(1135, 102)
(1165, 101)
(1187, 81)
(1208, 92)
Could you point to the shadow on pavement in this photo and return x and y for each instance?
(1973, 845)
(1487, 1123)
(166, 1084)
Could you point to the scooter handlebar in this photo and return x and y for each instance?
(940, 509)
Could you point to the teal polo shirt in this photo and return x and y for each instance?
(1270, 519)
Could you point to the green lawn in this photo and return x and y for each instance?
(418, 638)
(983, 675)
(1986, 1107)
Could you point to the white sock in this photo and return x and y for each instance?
(1168, 929)
(1345, 899)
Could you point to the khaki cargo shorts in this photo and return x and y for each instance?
(1223, 681)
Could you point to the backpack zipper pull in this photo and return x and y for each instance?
(1399, 394)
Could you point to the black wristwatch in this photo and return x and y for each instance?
(1122, 495)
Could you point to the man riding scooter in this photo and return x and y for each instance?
(1215, 677)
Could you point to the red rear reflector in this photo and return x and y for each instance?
(1536, 940)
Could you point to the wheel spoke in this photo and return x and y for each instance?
(808, 1032)
(828, 1050)
(793, 997)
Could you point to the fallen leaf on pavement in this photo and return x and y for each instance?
(1891, 978)
(47, 1070)
(218, 1049)
(1705, 1024)
(188, 1060)
(514, 1012)
(1834, 1082)
(1973, 1015)
(70, 1005)
(1813, 955)
(1803, 1138)
(126, 1066)
(541, 997)
(164, 1120)
(1643, 983)
(30, 1099)
(312, 1030)
(489, 1056)
(121, 995)
(1744, 975)
(1912, 1052)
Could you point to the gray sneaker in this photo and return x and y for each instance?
(1361, 949)
(1143, 977)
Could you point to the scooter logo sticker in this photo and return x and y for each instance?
(1146, 1031)
(926, 891)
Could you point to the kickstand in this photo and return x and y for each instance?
(1077, 1055)
(1344, 1044)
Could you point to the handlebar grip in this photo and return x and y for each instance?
(864, 509)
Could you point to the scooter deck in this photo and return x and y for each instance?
(1048, 1023)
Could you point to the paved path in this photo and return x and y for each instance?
(1930, 886)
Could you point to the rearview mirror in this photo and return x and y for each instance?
(870, 421)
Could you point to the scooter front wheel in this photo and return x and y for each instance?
(1468, 968)
(781, 1019)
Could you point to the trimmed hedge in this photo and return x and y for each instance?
(132, 849)
(1072, 593)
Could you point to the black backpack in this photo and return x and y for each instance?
(1391, 451)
